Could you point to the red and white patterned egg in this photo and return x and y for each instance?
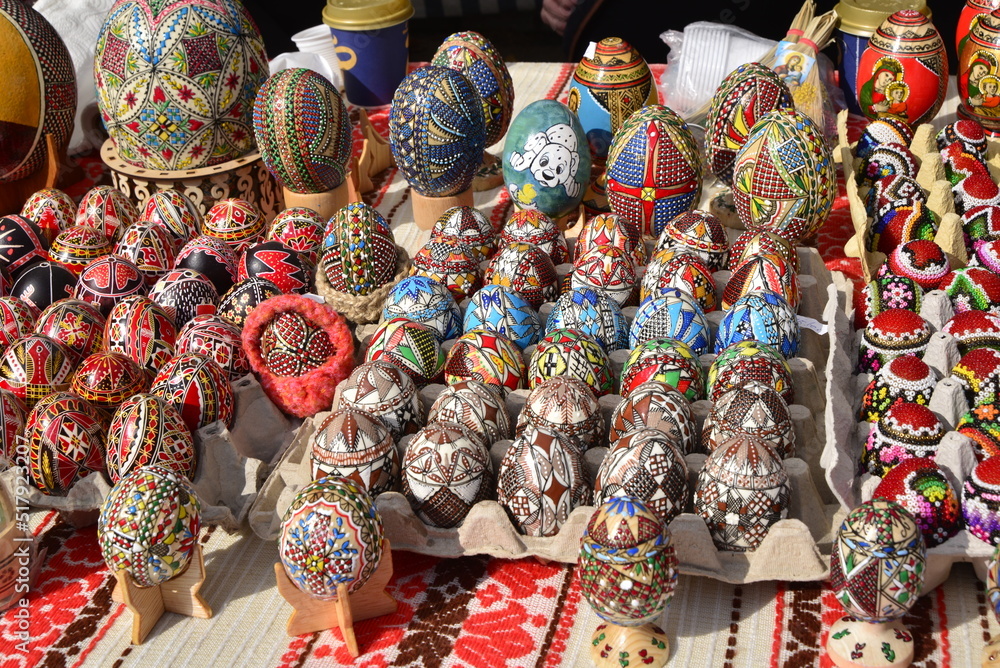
(17, 319)
(150, 246)
(65, 437)
(217, 338)
(107, 379)
(107, 280)
(78, 246)
(147, 430)
(291, 345)
(211, 257)
(142, 330)
(76, 324)
(275, 262)
(300, 229)
(236, 222)
(527, 270)
(531, 226)
(172, 209)
(609, 268)
(197, 388)
(52, 210)
(107, 210)
(34, 366)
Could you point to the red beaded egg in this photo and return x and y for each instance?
(920, 486)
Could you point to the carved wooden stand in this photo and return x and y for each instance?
(615, 646)
(312, 615)
(14, 194)
(376, 155)
(427, 210)
(856, 644)
(326, 203)
(991, 653)
(179, 594)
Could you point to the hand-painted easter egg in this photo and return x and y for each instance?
(211, 257)
(760, 316)
(354, 445)
(503, 311)
(452, 265)
(488, 357)
(65, 436)
(608, 268)
(385, 391)
(107, 280)
(143, 331)
(235, 222)
(546, 160)
(667, 361)
(467, 228)
(34, 366)
(107, 210)
(610, 229)
(478, 406)
(525, 269)
(275, 262)
(148, 431)
(359, 252)
(411, 346)
(531, 226)
(301, 230)
(645, 464)
(565, 406)
(437, 131)
(23, 244)
(426, 301)
(749, 360)
(107, 379)
(291, 345)
(658, 406)
(51, 209)
(12, 418)
(76, 247)
(762, 273)
(751, 244)
(753, 409)
(216, 338)
(892, 333)
(672, 315)
(236, 304)
(977, 72)
(150, 247)
(593, 312)
(905, 431)
(303, 131)
(199, 390)
(77, 325)
(181, 292)
(669, 269)
(571, 353)
(176, 83)
(922, 260)
(699, 233)
(921, 487)
(17, 319)
(175, 211)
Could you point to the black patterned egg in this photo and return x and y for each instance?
(17, 319)
(51, 209)
(107, 280)
(301, 230)
(150, 246)
(275, 262)
(142, 330)
(65, 436)
(211, 257)
(437, 131)
(107, 210)
(182, 292)
(217, 338)
(21, 244)
(244, 297)
(359, 251)
(172, 209)
(234, 221)
(12, 417)
(76, 324)
(145, 431)
(197, 388)
(35, 366)
(44, 283)
(78, 246)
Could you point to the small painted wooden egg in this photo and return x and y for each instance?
(627, 564)
(34, 366)
(412, 346)
(237, 303)
(181, 292)
(609, 268)
(503, 311)
(475, 57)
(921, 260)
(526, 269)
(905, 431)
(899, 222)
(742, 492)
(211, 257)
(982, 425)
(658, 406)
(699, 233)
(568, 352)
(76, 247)
(148, 431)
(467, 228)
(903, 379)
(107, 210)
(668, 361)
(981, 223)
(565, 406)
(593, 312)
(645, 464)
(478, 406)
(546, 160)
(437, 131)
(275, 262)
(216, 338)
(750, 360)
(892, 333)
(359, 252)
(43, 284)
(385, 391)
(762, 273)
(302, 130)
(979, 374)
(23, 244)
(197, 388)
(889, 292)
(300, 229)
(447, 470)
(107, 280)
(887, 130)
(753, 409)
(761, 316)
(65, 438)
(894, 188)
(150, 247)
(790, 189)
(149, 525)
(540, 481)
(743, 97)
(17, 319)
(354, 445)
(973, 288)
(974, 329)
(78, 325)
(976, 65)
(765, 242)
(684, 271)
(531, 226)
(143, 331)
(12, 419)
(426, 301)
(107, 379)
(175, 211)
(610, 229)
(981, 501)
(453, 266)
(234, 221)
(488, 357)
(672, 315)
(921, 487)
(51, 210)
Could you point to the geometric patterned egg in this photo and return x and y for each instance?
(750, 360)
(292, 345)
(359, 250)
(487, 357)
(892, 189)
(275, 262)
(142, 330)
(568, 352)
(987, 255)
(979, 374)
(766, 242)
(673, 315)
(610, 229)
(682, 270)
(658, 406)
(109, 279)
(886, 130)
(478, 406)
(75, 247)
(411, 346)
(467, 228)
(383, 390)
(65, 437)
(211, 257)
(77, 325)
(902, 221)
(762, 273)
(921, 487)
(982, 425)
(451, 264)
(197, 388)
(889, 292)
(35, 366)
(594, 313)
(107, 210)
(424, 300)
(301, 230)
(172, 209)
(981, 501)
(752, 408)
(44, 283)
(667, 361)
(150, 246)
(17, 319)
(234, 221)
(922, 260)
(505, 312)
(12, 417)
(107, 379)
(354, 445)
(762, 316)
(972, 288)
(218, 339)
(181, 291)
(609, 268)
(700, 233)
(531, 226)
(148, 431)
(51, 209)
(246, 295)
(564, 406)
(23, 243)
(526, 269)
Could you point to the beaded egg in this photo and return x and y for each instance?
(107, 280)
(488, 357)
(976, 189)
(359, 251)
(906, 378)
(742, 492)
(891, 292)
(77, 325)
(645, 464)
(300, 229)
(699, 233)
(531, 226)
(921, 487)
(885, 160)
(610, 229)
(968, 133)
(892, 333)
(982, 425)
(181, 292)
(609, 268)
(978, 371)
(107, 210)
(107, 379)
(883, 131)
(148, 431)
(893, 188)
(447, 470)
(973, 288)
(211, 257)
(12, 418)
(199, 390)
(658, 406)
(411, 346)
(478, 406)
(593, 312)
(987, 256)
(150, 247)
(354, 445)
(331, 521)
(43, 284)
(237, 303)
(34, 366)
(546, 159)
(75, 247)
(981, 501)
(176, 212)
(899, 222)
(149, 525)
(65, 439)
(567, 352)
(17, 319)
(684, 271)
(974, 329)
(142, 330)
(904, 431)
(981, 223)
(51, 210)
(667, 361)
(385, 391)
(449, 264)
(921, 260)
(762, 273)
(503, 311)
(218, 339)
(467, 228)
(235, 222)
(753, 409)
(765, 242)
(527, 270)
(275, 262)
(564, 406)
(426, 301)
(760, 316)
(749, 360)
(540, 481)
(672, 315)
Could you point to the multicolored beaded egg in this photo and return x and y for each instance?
(921, 260)
(488, 357)
(197, 388)
(212, 257)
(987, 256)
(893, 188)
(478, 406)
(525, 269)
(467, 228)
(237, 303)
(504, 311)
(973, 288)
(749, 360)
(884, 160)
(426, 301)
(906, 430)
(921, 487)
(568, 352)
(883, 131)
(148, 431)
(981, 223)
(175, 211)
(610, 229)
(218, 339)
(35, 366)
(149, 246)
(982, 425)
(979, 373)
(899, 222)
(107, 210)
(681, 270)
(412, 346)
(593, 312)
(754, 409)
(904, 379)
(385, 391)
(659, 406)
(300, 229)
(565, 406)
(275, 262)
(106, 379)
(672, 315)
(974, 329)
(981, 501)
(352, 444)
(65, 439)
(892, 333)
(668, 361)
(531, 226)
(609, 268)
(891, 292)
(234, 221)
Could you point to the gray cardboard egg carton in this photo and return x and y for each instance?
(794, 549)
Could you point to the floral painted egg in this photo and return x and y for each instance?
(531, 226)
(181, 292)
(478, 406)
(17, 319)
(982, 425)
(78, 325)
(973, 288)
(762, 273)
(275, 262)
(565, 406)
(658, 406)
(302, 130)
(654, 169)
(645, 464)
(76, 247)
(107, 280)
(540, 481)
(23, 244)
(143, 331)
(354, 445)
(892, 333)
(904, 379)
(627, 564)
(359, 252)
(889, 292)
(51, 209)
(150, 247)
(44, 283)
(672, 315)
(546, 160)
(65, 438)
(165, 112)
(385, 391)
(176, 212)
(503, 311)
(453, 266)
(488, 357)
(447, 470)
(899, 222)
(107, 210)
(921, 487)
(979, 374)
(743, 97)
(12, 418)
(905, 431)
(467, 228)
(609, 268)
(211, 257)
(887, 130)
(701, 234)
(218, 339)
(236, 304)
(981, 501)
(742, 492)
(199, 390)
(300, 229)
(437, 131)
(475, 57)
(684, 271)
(39, 92)
(148, 431)
(784, 178)
(236, 222)
(525, 269)
(593, 312)
(753, 409)
(974, 329)
(750, 360)
(34, 366)
(571, 353)
(667, 361)
(921, 260)
(760, 316)
(426, 301)
(412, 346)
(751, 244)
(610, 229)
(149, 525)
(332, 521)
(107, 379)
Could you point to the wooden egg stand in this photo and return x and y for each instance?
(14, 194)
(886, 645)
(991, 653)
(614, 646)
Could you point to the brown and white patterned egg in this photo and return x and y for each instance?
(478, 406)
(352, 444)
(754, 409)
(527, 270)
(385, 391)
(566, 406)
(762, 272)
(659, 406)
(531, 226)
(148, 431)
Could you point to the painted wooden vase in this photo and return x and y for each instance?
(970, 16)
(979, 74)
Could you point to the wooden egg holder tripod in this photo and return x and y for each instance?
(14, 194)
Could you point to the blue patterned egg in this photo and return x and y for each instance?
(593, 312)
(546, 159)
(503, 311)
(672, 315)
(762, 316)
(426, 301)
(437, 131)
